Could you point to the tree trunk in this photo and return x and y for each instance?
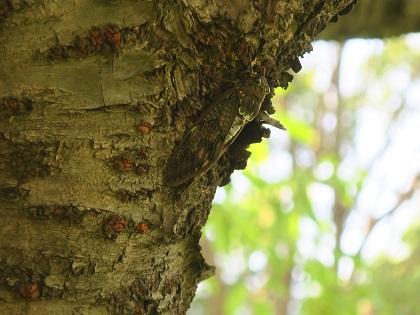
(94, 96)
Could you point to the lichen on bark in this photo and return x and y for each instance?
(94, 95)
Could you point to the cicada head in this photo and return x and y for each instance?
(252, 95)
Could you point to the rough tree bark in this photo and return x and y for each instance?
(94, 95)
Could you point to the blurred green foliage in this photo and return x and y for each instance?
(276, 233)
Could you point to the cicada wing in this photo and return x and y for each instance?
(203, 144)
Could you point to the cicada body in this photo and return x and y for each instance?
(215, 130)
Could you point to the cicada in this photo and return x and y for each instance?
(215, 129)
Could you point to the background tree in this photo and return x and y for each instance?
(378, 19)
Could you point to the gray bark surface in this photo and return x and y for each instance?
(94, 95)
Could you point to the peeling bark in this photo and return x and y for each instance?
(94, 95)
